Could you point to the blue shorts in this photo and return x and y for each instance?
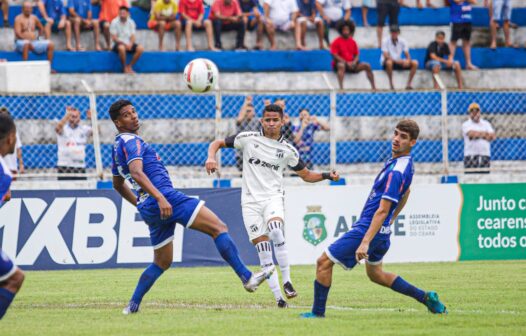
(7, 268)
(432, 63)
(184, 208)
(343, 251)
(39, 46)
(501, 10)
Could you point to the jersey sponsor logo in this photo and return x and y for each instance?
(385, 230)
(259, 162)
(280, 153)
(314, 230)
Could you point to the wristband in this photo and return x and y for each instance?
(326, 176)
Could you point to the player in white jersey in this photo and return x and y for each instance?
(265, 156)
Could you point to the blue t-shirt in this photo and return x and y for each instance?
(54, 9)
(248, 5)
(307, 138)
(82, 7)
(129, 147)
(306, 7)
(391, 184)
(460, 13)
(5, 180)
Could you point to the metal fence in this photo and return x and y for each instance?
(181, 125)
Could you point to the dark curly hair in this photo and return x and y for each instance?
(346, 23)
(115, 108)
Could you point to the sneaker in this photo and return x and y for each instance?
(282, 303)
(290, 292)
(257, 278)
(131, 308)
(310, 315)
(433, 304)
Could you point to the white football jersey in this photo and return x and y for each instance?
(264, 161)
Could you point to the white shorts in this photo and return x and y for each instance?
(257, 215)
(283, 25)
(310, 24)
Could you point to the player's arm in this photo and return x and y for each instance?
(120, 186)
(144, 182)
(211, 163)
(378, 219)
(312, 177)
(400, 205)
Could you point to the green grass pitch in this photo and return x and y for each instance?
(483, 298)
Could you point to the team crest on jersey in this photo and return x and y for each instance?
(314, 230)
(280, 153)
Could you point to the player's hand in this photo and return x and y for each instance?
(361, 252)
(335, 176)
(7, 196)
(211, 166)
(165, 208)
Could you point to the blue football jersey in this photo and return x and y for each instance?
(391, 184)
(5, 180)
(129, 147)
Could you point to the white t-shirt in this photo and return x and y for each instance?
(264, 161)
(11, 160)
(334, 9)
(394, 50)
(281, 10)
(476, 146)
(72, 146)
(124, 31)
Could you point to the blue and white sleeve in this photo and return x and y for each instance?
(393, 187)
(133, 149)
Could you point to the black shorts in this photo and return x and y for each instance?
(391, 9)
(71, 170)
(348, 69)
(396, 66)
(460, 31)
(477, 161)
(132, 51)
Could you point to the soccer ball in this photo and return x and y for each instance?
(201, 75)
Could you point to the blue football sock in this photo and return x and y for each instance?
(146, 281)
(228, 251)
(320, 298)
(6, 297)
(404, 287)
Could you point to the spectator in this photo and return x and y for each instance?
(163, 19)
(366, 4)
(81, 17)
(287, 130)
(501, 12)
(478, 134)
(461, 17)
(333, 12)
(54, 18)
(5, 11)
(71, 142)
(122, 31)
(386, 8)
(26, 40)
(109, 10)
(308, 19)
(246, 121)
(226, 15)
(252, 19)
(14, 161)
(392, 49)
(192, 14)
(419, 4)
(304, 135)
(346, 55)
(438, 55)
(281, 15)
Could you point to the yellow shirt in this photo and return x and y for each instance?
(164, 9)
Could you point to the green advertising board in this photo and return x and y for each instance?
(493, 221)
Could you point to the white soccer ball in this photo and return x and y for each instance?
(201, 75)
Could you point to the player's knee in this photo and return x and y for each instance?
(376, 276)
(14, 283)
(164, 262)
(323, 263)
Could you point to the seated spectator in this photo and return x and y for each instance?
(461, 17)
(54, 18)
(14, 161)
(281, 15)
(346, 55)
(109, 10)
(225, 16)
(478, 134)
(308, 19)
(386, 8)
(122, 31)
(192, 14)
(163, 19)
(333, 12)
(81, 17)
(392, 49)
(252, 19)
(501, 12)
(72, 138)
(304, 135)
(439, 56)
(419, 4)
(5, 11)
(366, 4)
(26, 40)
(246, 121)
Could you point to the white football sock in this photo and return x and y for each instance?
(265, 258)
(280, 248)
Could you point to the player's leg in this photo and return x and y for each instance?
(11, 279)
(264, 249)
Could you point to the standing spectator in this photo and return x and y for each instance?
(308, 19)
(163, 19)
(438, 55)
(81, 17)
(461, 17)
(304, 135)
(288, 129)
(346, 55)
(109, 10)
(26, 25)
(252, 19)
(14, 161)
(366, 4)
(5, 11)
(192, 14)
(246, 122)
(392, 49)
(478, 134)
(281, 15)
(226, 15)
(501, 12)
(386, 8)
(333, 12)
(54, 14)
(122, 31)
(71, 142)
